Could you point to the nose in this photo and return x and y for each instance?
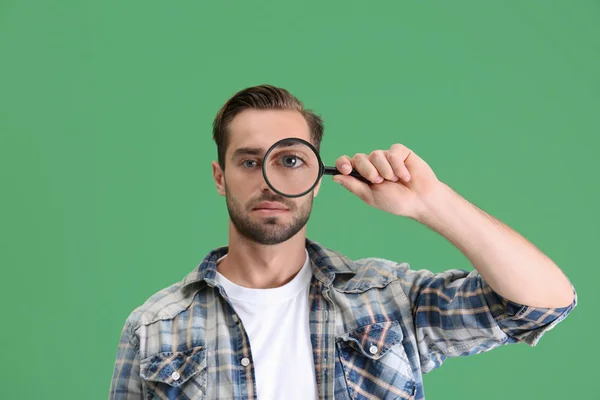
(268, 194)
(264, 186)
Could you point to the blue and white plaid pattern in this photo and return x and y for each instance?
(376, 327)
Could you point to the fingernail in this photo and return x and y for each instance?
(406, 178)
(379, 179)
(346, 168)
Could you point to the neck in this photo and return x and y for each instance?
(259, 266)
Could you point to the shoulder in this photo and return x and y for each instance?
(162, 305)
(372, 272)
(176, 298)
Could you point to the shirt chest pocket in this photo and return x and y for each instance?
(375, 363)
(179, 375)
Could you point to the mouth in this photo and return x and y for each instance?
(270, 208)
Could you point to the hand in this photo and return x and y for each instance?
(401, 180)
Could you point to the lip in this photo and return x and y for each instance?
(270, 206)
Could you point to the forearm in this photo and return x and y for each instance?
(510, 264)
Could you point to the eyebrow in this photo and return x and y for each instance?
(254, 151)
(247, 151)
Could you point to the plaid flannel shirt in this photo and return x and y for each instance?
(376, 327)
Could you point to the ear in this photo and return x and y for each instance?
(316, 189)
(219, 177)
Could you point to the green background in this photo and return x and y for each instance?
(106, 187)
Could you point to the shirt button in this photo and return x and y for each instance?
(245, 361)
(175, 376)
(373, 349)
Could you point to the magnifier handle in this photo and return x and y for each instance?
(354, 173)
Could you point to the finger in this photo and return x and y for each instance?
(344, 164)
(355, 186)
(380, 161)
(396, 156)
(366, 168)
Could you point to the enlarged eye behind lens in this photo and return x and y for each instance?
(292, 161)
(291, 168)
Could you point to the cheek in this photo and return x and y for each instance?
(244, 178)
(305, 204)
(239, 188)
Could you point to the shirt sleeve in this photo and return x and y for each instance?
(456, 313)
(126, 382)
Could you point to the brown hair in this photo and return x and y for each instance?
(262, 97)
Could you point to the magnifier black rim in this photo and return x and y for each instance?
(314, 150)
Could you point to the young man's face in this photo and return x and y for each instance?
(251, 133)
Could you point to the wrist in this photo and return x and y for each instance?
(433, 203)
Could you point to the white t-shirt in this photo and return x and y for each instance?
(277, 323)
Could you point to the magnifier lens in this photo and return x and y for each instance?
(291, 168)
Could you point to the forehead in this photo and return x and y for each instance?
(262, 128)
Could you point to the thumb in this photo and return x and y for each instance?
(356, 186)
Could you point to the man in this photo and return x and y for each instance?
(275, 315)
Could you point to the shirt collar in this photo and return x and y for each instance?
(326, 265)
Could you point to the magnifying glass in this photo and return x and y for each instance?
(292, 167)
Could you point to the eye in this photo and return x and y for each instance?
(249, 163)
(291, 161)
